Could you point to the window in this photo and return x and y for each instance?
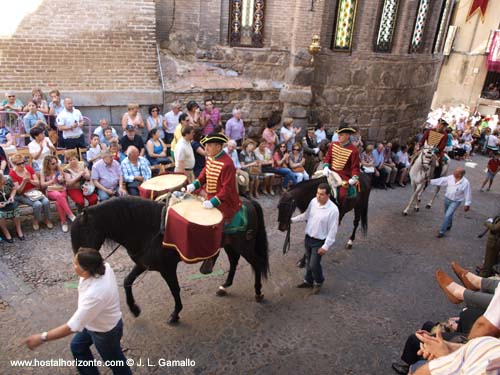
(246, 26)
(387, 23)
(443, 25)
(344, 25)
(418, 31)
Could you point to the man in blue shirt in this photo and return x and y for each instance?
(378, 163)
(135, 170)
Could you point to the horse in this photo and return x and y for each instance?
(420, 172)
(301, 194)
(135, 224)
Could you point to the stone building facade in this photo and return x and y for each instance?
(104, 54)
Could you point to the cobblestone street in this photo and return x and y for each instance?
(373, 297)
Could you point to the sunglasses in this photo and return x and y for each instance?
(11, 96)
(21, 163)
(282, 146)
(53, 163)
(296, 149)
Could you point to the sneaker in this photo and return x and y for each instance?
(304, 285)
(481, 190)
(488, 189)
(49, 224)
(64, 228)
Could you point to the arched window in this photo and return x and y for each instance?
(344, 25)
(387, 23)
(246, 23)
(417, 40)
(444, 20)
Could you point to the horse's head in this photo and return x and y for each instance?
(286, 208)
(84, 233)
(427, 154)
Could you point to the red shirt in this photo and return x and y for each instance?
(16, 178)
(493, 165)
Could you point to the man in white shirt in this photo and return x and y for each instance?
(322, 218)
(457, 191)
(103, 125)
(184, 154)
(70, 122)
(172, 119)
(98, 319)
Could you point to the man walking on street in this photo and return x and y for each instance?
(322, 218)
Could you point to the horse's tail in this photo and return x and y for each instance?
(261, 244)
(364, 205)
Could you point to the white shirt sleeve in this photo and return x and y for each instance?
(333, 224)
(303, 216)
(85, 313)
(442, 181)
(468, 194)
(492, 313)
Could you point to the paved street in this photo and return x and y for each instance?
(373, 296)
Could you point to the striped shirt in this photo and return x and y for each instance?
(129, 170)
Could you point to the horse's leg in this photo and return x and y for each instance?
(414, 187)
(127, 284)
(419, 192)
(234, 258)
(170, 276)
(357, 218)
(429, 205)
(259, 297)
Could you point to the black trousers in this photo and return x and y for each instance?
(74, 142)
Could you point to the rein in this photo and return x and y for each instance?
(286, 244)
(111, 253)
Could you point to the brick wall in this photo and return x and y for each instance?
(82, 46)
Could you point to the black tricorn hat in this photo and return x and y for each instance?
(345, 128)
(214, 137)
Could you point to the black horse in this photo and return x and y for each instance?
(135, 224)
(300, 196)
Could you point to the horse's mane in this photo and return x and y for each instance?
(305, 190)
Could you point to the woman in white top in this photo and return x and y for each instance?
(320, 133)
(133, 117)
(98, 319)
(156, 120)
(39, 148)
(288, 133)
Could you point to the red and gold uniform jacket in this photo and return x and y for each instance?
(343, 159)
(219, 176)
(435, 139)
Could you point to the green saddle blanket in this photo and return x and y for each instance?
(239, 222)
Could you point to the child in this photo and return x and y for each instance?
(491, 171)
(94, 152)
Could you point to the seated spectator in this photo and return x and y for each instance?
(156, 120)
(200, 155)
(132, 139)
(55, 106)
(11, 103)
(4, 162)
(116, 151)
(403, 165)
(210, 117)
(75, 174)
(183, 121)
(135, 170)
(108, 138)
(382, 175)
(367, 162)
(320, 132)
(39, 148)
(242, 177)
(101, 129)
(265, 158)
(251, 165)
(52, 179)
(467, 144)
(235, 127)
(107, 177)
(27, 184)
(311, 152)
(70, 123)
(9, 208)
(281, 157)
(133, 118)
(33, 117)
(193, 114)
(6, 139)
(156, 149)
(389, 166)
(184, 155)
(296, 161)
(288, 133)
(39, 101)
(94, 151)
(492, 141)
(172, 120)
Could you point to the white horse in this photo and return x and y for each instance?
(444, 172)
(420, 172)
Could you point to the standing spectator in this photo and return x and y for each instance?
(70, 122)
(270, 136)
(242, 177)
(281, 158)
(39, 148)
(133, 118)
(193, 114)
(311, 151)
(156, 149)
(288, 133)
(492, 253)
(265, 158)
(107, 177)
(11, 103)
(320, 132)
(32, 117)
(27, 183)
(101, 129)
(297, 162)
(52, 179)
(184, 155)
(235, 127)
(98, 319)
(200, 155)
(40, 102)
(491, 171)
(55, 106)
(183, 121)
(457, 191)
(94, 151)
(172, 120)
(135, 170)
(251, 165)
(75, 175)
(156, 120)
(322, 217)
(492, 141)
(403, 165)
(9, 208)
(131, 138)
(210, 117)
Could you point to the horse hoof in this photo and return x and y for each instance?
(173, 320)
(405, 213)
(221, 292)
(136, 310)
(259, 298)
(416, 209)
(428, 206)
(348, 246)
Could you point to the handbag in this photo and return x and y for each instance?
(298, 169)
(55, 188)
(255, 170)
(34, 195)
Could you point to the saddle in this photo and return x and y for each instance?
(335, 181)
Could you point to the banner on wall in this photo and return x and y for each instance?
(493, 49)
(477, 5)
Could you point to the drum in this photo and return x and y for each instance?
(159, 185)
(193, 231)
